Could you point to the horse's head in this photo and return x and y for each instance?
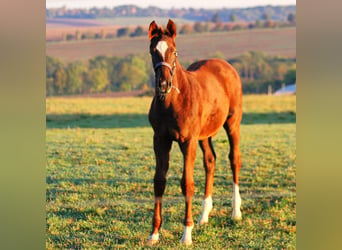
(164, 55)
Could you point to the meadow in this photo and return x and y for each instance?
(100, 166)
(191, 47)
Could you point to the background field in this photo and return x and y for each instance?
(56, 27)
(196, 46)
(100, 166)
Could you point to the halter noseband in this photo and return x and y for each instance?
(167, 65)
(172, 71)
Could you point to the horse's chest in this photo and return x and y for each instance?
(175, 126)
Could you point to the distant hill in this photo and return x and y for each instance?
(276, 13)
(191, 47)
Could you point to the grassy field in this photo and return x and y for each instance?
(100, 166)
(196, 46)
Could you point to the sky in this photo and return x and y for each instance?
(209, 4)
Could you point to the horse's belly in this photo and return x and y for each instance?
(212, 124)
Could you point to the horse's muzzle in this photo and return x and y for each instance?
(164, 87)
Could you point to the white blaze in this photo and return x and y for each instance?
(162, 47)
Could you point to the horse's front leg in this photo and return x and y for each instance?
(188, 149)
(162, 147)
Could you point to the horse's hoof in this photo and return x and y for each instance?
(186, 242)
(151, 242)
(202, 222)
(153, 239)
(236, 215)
(186, 238)
(236, 218)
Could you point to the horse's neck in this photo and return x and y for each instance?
(180, 78)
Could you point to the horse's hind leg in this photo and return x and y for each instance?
(209, 166)
(232, 127)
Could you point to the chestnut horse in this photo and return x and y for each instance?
(190, 106)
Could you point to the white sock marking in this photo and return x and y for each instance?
(153, 237)
(207, 205)
(236, 202)
(162, 47)
(186, 238)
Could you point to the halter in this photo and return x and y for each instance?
(172, 71)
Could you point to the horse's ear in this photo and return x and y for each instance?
(153, 30)
(171, 29)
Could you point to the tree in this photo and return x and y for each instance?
(132, 74)
(60, 81)
(75, 77)
(258, 23)
(97, 80)
(266, 16)
(216, 18)
(290, 76)
(291, 18)
(122, 32)
(50, 87)
(279, 70)
(233, 17)
(199, 27)
(99, 62)
(113, 69)
(88, 35)
(53, 65)
(237, 27)
(70, 37)
(139, 31)
(217, 54)
(186, 29)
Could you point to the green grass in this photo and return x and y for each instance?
(100, 166)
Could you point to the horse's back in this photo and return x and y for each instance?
(216, 74)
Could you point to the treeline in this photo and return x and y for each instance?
(276, 13)
(258, 71)
(98, 75)
(197, 27)
(107, 74)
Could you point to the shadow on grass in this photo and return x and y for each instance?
(87, 181)
(269, 118)
(97, 121)
(141, 120)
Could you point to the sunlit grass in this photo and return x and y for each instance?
(100, 189)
